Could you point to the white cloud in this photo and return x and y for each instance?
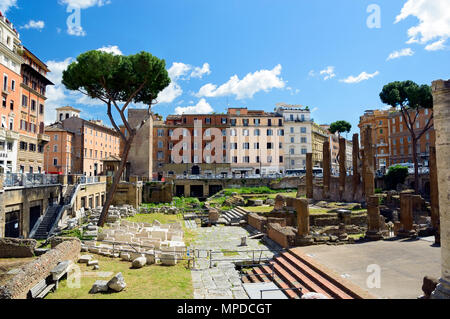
(170, 93)
(202, 107)
(76, 31)
(199, 72)
(39, 25)
(328, 73)
(398, 54)
(434, 21)
(5, 5)
(177, 70)
(362, 77)
(435, 46)
(84, 4)
(314, 109)
(114, 49)
(292, 90)
(263, 80)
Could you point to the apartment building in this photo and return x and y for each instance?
(400, 142)
(92, 144)
(10, 68)
(297, 135)
(191, 144)
(32, 139)
(319, 136)
(256, 142)
(58, 153)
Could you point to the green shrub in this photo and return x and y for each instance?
(396, 175)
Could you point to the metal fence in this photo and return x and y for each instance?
(29, 180)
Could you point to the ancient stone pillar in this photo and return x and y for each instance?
(309, 176)
(356, 177)
(368, 167)
(434, 195)
(441, 97)
(406, 215)
(342, 166)
(373, 216)
(280, 203)
(326, 169)
(302, 209)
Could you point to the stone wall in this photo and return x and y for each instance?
(128, 194)
(334, 220)
(157, 193)
(284, 236)
(257, 222)
(91, 193)
(39, 269)
(334, 194)
(17, 248)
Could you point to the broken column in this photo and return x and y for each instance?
(441, 109)
(309, 176)
(373, 216)
(406, 215)
(326, 169)
(342, 166)
(368, 167)
(434, 195)
(355, 179)
(303, 237)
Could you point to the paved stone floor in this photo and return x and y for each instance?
(222, 281)
(403, 264)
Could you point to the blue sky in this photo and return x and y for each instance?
(250, 53)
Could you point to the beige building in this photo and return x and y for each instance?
(297, 135)
(256, 142)
(319, 136)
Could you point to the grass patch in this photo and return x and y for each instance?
(319, 211)
(228, 253)
(249, 190)
(356, 236)
(260, 209)
(150, 282)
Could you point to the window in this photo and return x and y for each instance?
(292, 162)
(208, 120)
(269, 146)
(246, 159)
(13, 85)
(381, 131)
(280, 132)
(23, 146)
(233, 122)
(393, 129)
(269, 132)
(32, 147)
(195, 146)
(245, 122)
(33, 105)
(418, 125)
(246, 146)
(5, 83)
(56, 137)
(292, 140)
(257, 122)
(55, 161)
(224, 120)
(160, 144)
(269, 159)
(269, 122)
(292, 130)
(208, 132)
(258, 159)
(233, 146)
(303, 130)
(257, 132)
(304, 151)
(55, 148)
(160, 132)
(224, 132)
(235, 159)
(10, 146)
(256, 146)
(4, 101)
(281, 159)
(160, 155)
(245, 132)
(292, 151)
(11, 105)
(24, 101)
(304, 140)
(233, 132)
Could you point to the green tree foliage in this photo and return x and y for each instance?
(396, 175)
(340, 127)
(118, 81)
(409, 98)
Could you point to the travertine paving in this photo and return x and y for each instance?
(216, 277)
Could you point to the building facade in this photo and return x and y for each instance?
(10, 67)
(58, 153)
(256, 142)
(298, 135)
(319, 136)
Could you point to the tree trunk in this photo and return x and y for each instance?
(116, 181)
(416, 164)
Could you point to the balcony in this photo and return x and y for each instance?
(30, 180)
(44, 138)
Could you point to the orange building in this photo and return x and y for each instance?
(400, 138)
(10, 66)
(378, 121)
(58, 153)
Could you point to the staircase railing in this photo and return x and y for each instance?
(54, 223)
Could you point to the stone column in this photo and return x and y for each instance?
(326, 169)
(342, 166)
(368, 168)
(309, 176)
(302, 209)
(434, 195)
(356, 178)
(441, 97)
(406, 215)
(373, 216)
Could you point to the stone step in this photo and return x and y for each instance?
(335, 284)
(308, 280)
(287, 281)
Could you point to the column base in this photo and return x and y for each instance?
(304, 241)
(407, 234)
(442, 290)
(374, 235)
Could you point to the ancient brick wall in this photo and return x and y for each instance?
(257, 222)
(157, 193)
(39, 269)
(334, 220)
(284, 236)
(17, 248)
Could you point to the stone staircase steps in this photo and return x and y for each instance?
(294, 270)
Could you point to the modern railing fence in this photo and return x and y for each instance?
(29, 180)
